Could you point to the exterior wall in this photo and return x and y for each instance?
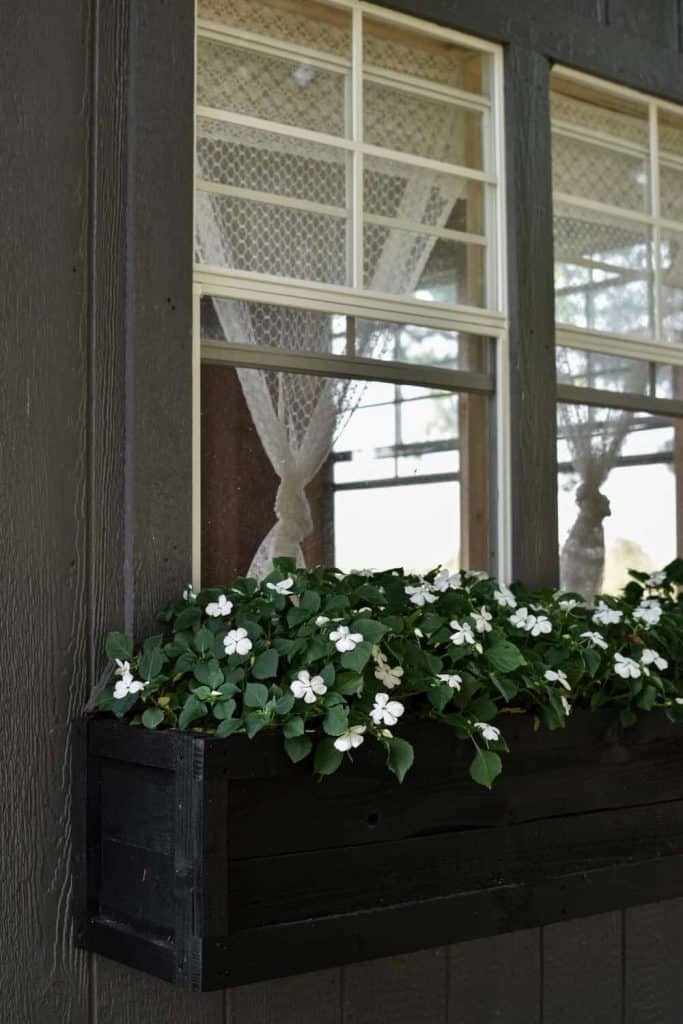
(95, 462)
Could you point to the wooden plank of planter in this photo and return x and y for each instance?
(214, 863)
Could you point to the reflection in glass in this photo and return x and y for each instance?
(671, 257)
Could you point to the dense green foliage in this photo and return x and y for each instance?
(332, 660)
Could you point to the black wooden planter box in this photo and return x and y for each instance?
(216, 862)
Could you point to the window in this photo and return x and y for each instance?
(617, 171)
(349, 299)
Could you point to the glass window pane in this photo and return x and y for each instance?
(317, 26)
(671, 255)
(425, 266)
(233, 155)
(600, 114)
(394, 189)
(276, 88)
(422, 125)
(391, 47)
(617, 495)
(671, 191)
(670, 131)
(606, 373)
(372, 473)
(606, 173)
(266, 238)
(603, 272)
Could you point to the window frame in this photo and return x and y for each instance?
(355, 301)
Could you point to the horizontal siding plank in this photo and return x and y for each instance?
(496, 979)
(402, 988)
(296, 1000)
(582, 977)
(652, 963)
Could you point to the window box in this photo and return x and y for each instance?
(212, 863)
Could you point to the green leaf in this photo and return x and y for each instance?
(439, 696)
(210, 673)
(400, 757)
(506, 687)
(327, 673)
(483, 709)
(228, 726)
(327, 757)
(203, 640)
(372, 631)
(357, 659)
(192, 710)
(265, 666)
(504, 656)
(188, 618)
(185, 663)
(254, 722)
(647, 698)
(298, 747)
(485, 767)
(627, 717)
(152, 717)
(224, 709)
(336, 721)
(310, 600)
(284, 704)
(294, 727)
(255, 695)
(285, 564)
(119, 645)
(592, 660)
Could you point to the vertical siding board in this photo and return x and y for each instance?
(44, 115)
(410, 988)
(496, 979)
(655, 20)
(653, 979)
(582, 977)
(306, 997)
(532, 315)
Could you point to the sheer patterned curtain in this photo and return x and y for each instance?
(297, 417)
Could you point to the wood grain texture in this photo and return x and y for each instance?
(653, 980)
(582, 979)
(303, 998)
(656, 21)
(496, 979)
(44, 125)
(130, 997)
(532, 319)
(409, 988)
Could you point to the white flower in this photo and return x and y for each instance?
(389, 677)
(656, 579)
(127, 684)
(284, 587)
(310, 688)
(421, 595)
(649, 612)
(489, 732)
(557, 677)
(215, 693)
(627, 668)
(352, 738)
(568, 604)
(482, 620)
(678, 700)
(595, 639)
(344, 639)
(462, 634)
(606, 616)
(123, 668)
(321, 620)
(220, 607)
(650, 657)
(534, 624)
(188, 593)
(504, 597)
(237, 642)
(385, 710)
(444, 580)
(454, 681)
(566, 705)
(520, 618)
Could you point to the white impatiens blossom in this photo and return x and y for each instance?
(534, 624)
(462, 633)
(656, 579)
(389, 677)
(283, 588)
(122, 668)
(321, 620)
(386, 711)
(127, 683)
(344, 640)
(627, 668)
(566, 705)
(595, 639)
(352, 738)
(606, 616)
(489, 732)
(445, 580)
(650, 657)
(237, 642)
(649, 612)
(504, 597)
(557, 676)
(188, 593)
(482, 620)
(421, 595)
(454, 681)
(218, 608)
(568, 604)
(308, 687)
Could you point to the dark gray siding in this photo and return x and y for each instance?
(95, 271)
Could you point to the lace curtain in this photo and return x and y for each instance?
(298, 417)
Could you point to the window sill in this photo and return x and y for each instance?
(212, 863)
